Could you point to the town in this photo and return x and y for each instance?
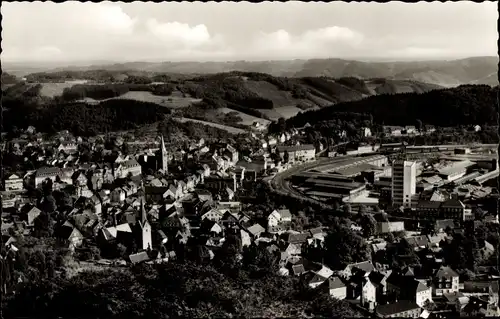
(116, 201)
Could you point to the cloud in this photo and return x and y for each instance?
(311, 43)
(179, 33)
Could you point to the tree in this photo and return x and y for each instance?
(418, 125)
(343, 246)
(286, 156)
(368, 224)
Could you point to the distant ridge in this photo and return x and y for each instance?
(448, 73)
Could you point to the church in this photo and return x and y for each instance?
(157, 161)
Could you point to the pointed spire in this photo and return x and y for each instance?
(143, 212)
(163, 148)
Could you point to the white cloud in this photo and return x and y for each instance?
(312, 43)
(179, 32)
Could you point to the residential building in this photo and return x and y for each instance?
(13, 183)
(46, 173)
(306, 152)
(404, 175)
(390, 227)
(445, 280)
(401, 309)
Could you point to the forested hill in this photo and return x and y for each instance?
(236, 89)
(463, 105)
(475, 70)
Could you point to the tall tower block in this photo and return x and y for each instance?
(404, 175)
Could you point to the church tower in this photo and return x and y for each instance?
(163, 157)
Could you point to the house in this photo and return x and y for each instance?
(255, 230)
(390, 227)
(46, 173)
(32, 215)
(379, 280)
(445, 280)
(365, 132)
(67, 148)
(337, 288)
(487, 250)
(117, 195)
(13, 183)
(399, 309)
(417, 242)
(402, 287)
(72, 235)
(368, 293)
(365, 267)
(286, 216)
(139, 257)
(124, 168)
(306, 152)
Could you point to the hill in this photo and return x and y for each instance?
(463, 105)
(255, 94)
(476, 70)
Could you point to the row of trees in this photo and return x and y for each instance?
(106, 91)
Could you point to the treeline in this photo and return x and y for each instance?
(332, 89)
(84, 119)
(463, 105)
(8, 78)
(106, 91)
(175, 290)
(222, 88)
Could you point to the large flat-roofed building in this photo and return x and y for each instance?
(455, 170)
(332, 188)
(404, 174)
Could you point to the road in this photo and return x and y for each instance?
(280, 184)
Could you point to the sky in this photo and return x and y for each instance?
(228, 31)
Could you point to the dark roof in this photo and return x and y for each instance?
(396, 308)
(335, 282)
(445, 272)
(315, 231)
(417, 241)
(155, 190)
(298, 269)
(365, 266)
(428, 204)
(295, 238)
(139, 257)
(453, 203)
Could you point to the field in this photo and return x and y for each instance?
(271, 92)
(55, 89)
(284, 111)
(172, 102)
(246, 119)
(230, 129)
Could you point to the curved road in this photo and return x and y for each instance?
(280, 184)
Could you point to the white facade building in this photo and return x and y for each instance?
(404, 174)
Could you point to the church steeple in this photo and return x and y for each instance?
(144, 217)
(163, 158)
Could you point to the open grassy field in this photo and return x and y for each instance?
(171, 102)
(55, 89)
(230, 129)
(246, 119)
(271, 92)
